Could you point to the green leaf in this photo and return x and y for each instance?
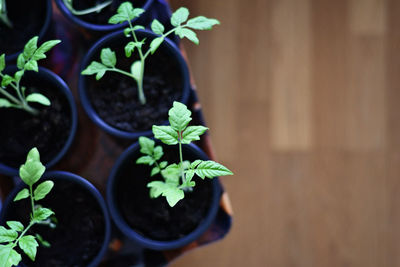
(33, 169)
(16, 226)
(179, 16)
(171, 174)
(179, 116)
(146, 145)
(158, 153)
(125, 12)
(7, 79)
(155, 171)
(42, 214)
(31, 65)
(108, 57)
(29, 245)
(95, 68)
(202, 23)
(24, 193)
(43, 242)
(192, 133)
(157, 27)
(195, 163)
(4, 103)
(163, 164)
(138, 27)
(21, 61)
(211, 169)
(148, 160)
(155, 44)
(38, 98)
(166, 134)
(18, 75)
(136, 70)
(46, 46)
(173, 195)
(30, 48)
(156, 188)
(129, 48)
(7, 235)
(8, 256)
(2, 62)
(42, 190)
(191, 35)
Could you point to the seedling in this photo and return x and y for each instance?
(26, 61)
(126, 13)
(17, 234)
(3, 14)
(97, 8)
(177, 177)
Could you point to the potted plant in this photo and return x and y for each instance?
(36, 110)
(18, 25)
(79, 233)
(94, 16)
(141, 86)
(136, 201)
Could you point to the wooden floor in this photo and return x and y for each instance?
(303, 101)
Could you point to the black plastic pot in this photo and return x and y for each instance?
(115, 187)
(88, 190)
(43, 77)
(80, 21)
(167, 48)
(16, 8)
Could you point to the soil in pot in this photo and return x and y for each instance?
(106, 13)
(79, 234)
(115, 96)
(154, 218)
(28, 18)
(48, 131)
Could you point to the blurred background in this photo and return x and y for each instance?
(303, 101)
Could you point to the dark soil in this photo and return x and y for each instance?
(106, 13)
(115, 96)
(28, 18)
(48, 131)
(79, 234)
(154, 218)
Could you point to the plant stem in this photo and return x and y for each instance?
(32, 201)
(32, 223)
(97, 8)
(181, 157)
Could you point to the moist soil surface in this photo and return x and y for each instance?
(79, 234)
(106, 13)
(48, 131)
(28, 18)
(154, 218)
(115, 96)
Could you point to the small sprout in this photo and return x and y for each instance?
(96, 9)
(177, 177)
(3, 14)
(126, 13)
(17, 234)
(27, 60)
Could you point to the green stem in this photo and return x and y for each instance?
(3, 14)
(181, 157)
(32, 201)
(97, 8)
(32, 223)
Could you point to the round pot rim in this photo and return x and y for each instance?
(86, 103)
(96, 27)
(61, 85)
(42, 32)
(62, 175)
(146, 242)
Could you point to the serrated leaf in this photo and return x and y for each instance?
(191, 35)
(189, 175)
(20, 61)
(148, 160)
(136, 70)
(7, 79)
(173, 195)
(155, 44)
(171, 174)
(16, 226)
(4, 103)
(157, 27)
(2, 62)
(158, 153)
(211, 169)
(166, 134)
(7, 235)
(18, 75)
(38, 98)
(146, 145)
(31, 65)
(8, 256)
(129, 48)
(24, 193)
(202, 23)
(192, 133)
(95, 68)
(42, 214)
(179, 16)
(108, 57)
(125, 12)
(163, 164)
(42, 190)
(33, 169)
(45, 47)
(29, 245)
(155, 171)
(179, 116)
(195, 163)
(30, 48)
(156, 188)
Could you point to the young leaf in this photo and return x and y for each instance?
(154, 171)
(179, 116)
(155, 44)
(202, 23)
(189, 175)
(2, 62)
(138, 27)
(173, 195)
(146, 145)
(195, 163)
(211, 169)
(108, 57)
(192, 133)
(163, 164)
(29, 245)
(158, 153)
(136, 70)
(33, 155)
(24, 193)
(156, 188)
(4, 103)
(17, 77)
(33, 169)
(125, 12)
(42, 241)
(7, 79)
(30, 48)
(191, 35)
(42, 190)
(8, 256)
(171, 173)
(38, 98)
(7, 235)
(16, 226)
(31, 65)
(166, 134)
(129, 48)
(95, 68)
(179, 16)
(21, 61)
(145, 160)
(157, 27)
(45, 47)
(42, 214)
